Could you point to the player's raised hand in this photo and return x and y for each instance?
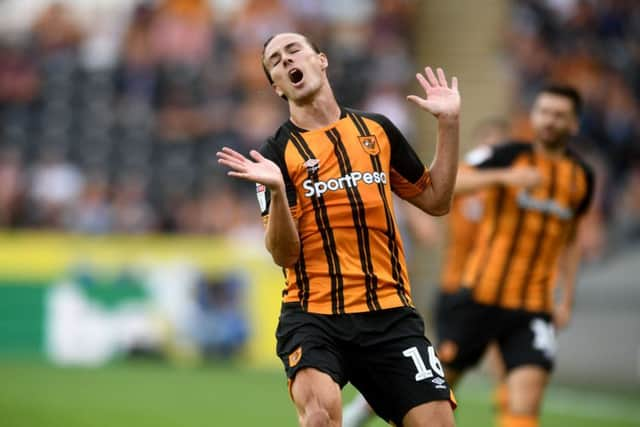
(440, 100)
(260, 169)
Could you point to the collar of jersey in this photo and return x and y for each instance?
(343, 114)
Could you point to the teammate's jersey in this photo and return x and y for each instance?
(462, 224)
(339, 181)
(522, 233)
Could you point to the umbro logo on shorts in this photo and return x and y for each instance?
(439, 382)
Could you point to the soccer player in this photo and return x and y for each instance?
(527, 228)
(324, 184)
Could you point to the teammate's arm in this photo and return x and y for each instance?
(572, 255)
(444, 103)
(567, 277)
(470, 180)
(281, 239)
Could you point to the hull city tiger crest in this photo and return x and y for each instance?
(370, 144)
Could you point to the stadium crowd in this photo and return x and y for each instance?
(95, 141)
(114, 128)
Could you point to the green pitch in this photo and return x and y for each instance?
(153, 395)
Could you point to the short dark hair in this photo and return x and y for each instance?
(565, 91)
(314, 46)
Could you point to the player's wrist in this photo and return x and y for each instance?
(449, 119)
(276, 188)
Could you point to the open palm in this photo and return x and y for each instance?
(440, 100)
(260, 169)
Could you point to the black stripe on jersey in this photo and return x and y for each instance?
(536, 255)
(322, 221)
(515, 237)
(359, 220)
(489, 247)
(360, 124)
(396, 267)
(392, 236)
(302, 279)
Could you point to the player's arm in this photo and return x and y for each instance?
(571, 257)
(444, 103)
(470, 180)
(567, 277)
(281, 239)
(490, 166)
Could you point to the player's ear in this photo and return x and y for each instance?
(324, 61)
(279, 91)
(574, 125)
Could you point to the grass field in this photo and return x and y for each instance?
(147, 394)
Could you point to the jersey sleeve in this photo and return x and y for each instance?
(587, 199)
(408, 175)
(496, 156)
(272, 152)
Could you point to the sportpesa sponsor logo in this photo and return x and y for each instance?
(318, 188)
(551, 207)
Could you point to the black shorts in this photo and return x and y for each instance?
(524, 338)
(384, 354)
(442, 310)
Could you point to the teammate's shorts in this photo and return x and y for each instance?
(442, 309)
(524, 338)
(384, 354)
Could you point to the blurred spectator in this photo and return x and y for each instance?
(137, 74)
(132, 213)
(55, 31)
(182, 32)
(11, 183)
(19, 79)
(91, 212)
(55, 184)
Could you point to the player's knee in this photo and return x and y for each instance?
(317, 416)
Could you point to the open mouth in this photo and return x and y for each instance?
(295, 75)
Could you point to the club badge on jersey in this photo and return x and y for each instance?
(370, 144)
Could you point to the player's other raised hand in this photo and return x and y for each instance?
(260, 169)
(440, 100)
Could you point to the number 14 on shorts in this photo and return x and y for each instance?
(424, 373)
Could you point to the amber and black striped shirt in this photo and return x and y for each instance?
(522, 233)
(462, 225)
(339, 181)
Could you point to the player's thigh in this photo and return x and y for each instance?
(526, 385)
(314, 391)
(400, 375)
(432, 414)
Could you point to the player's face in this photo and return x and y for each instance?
(297, 71)
(553, 119)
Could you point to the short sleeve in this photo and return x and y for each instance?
(273, 152)
(495, 156)
(408, 175)
(587, 199)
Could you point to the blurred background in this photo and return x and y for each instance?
(134, 287)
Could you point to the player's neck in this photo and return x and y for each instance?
(319, 112)
(553, 151)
